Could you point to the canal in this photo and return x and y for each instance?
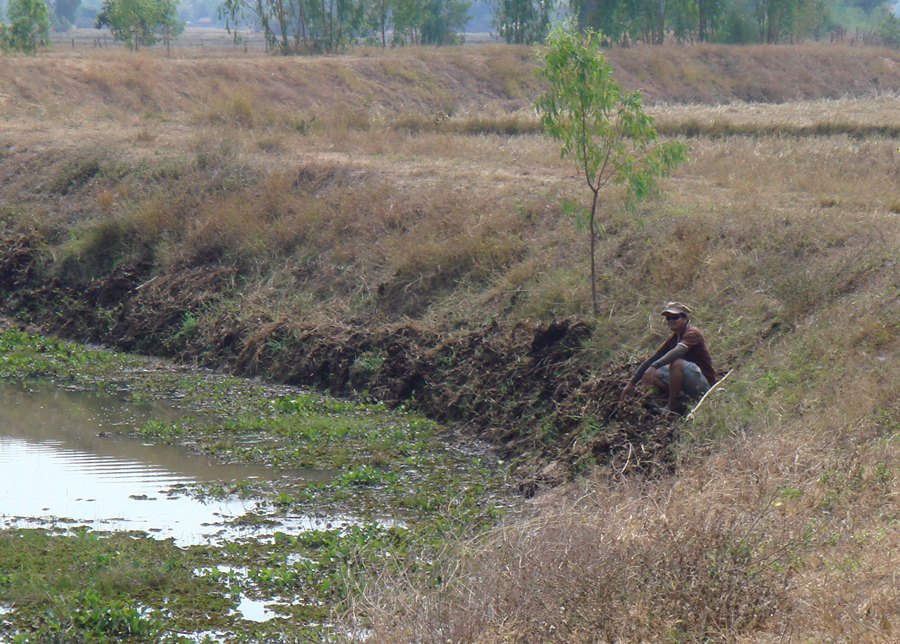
(147, 501)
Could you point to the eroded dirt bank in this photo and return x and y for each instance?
(525, 388)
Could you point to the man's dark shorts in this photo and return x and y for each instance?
(694, 384)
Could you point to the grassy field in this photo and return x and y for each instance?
(391, 223)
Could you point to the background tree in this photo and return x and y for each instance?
(523, 22)
(775, 19)
(606, 130)
(728, 21)
(813, 20)
(64, 12)
(444, 21)
(378, 18)
(342, 22)
(603, 16)
(170, 25)
(709, 13)
(272, 17)
(298, 26)
(141, 23)
(889, 30)
(28, 28)
(429, 22)
(409, 16)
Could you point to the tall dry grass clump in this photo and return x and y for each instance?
(630, 566)
(782, 532)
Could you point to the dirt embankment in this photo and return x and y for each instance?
(428, 81)
(716, 74)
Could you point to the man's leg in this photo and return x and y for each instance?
(652, 379)
(676, 379)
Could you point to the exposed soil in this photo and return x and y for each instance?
(524, 388)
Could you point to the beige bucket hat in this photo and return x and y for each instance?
(676, 308)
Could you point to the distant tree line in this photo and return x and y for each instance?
(311, 26)
(731, 21)
(296, 26)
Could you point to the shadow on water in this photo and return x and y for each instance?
(60, 465)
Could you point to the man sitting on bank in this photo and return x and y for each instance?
(681, 364)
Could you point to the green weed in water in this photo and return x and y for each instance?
(24, 355)
(89, 617)
(388, 466)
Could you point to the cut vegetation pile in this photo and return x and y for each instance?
(392, 227)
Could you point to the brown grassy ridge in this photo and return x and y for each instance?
(63, 85)
(324, 236)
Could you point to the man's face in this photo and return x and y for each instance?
(676, 323)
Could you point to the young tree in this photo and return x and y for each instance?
(606, 130)
(28, 28)
(141, 23)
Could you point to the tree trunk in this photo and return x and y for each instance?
(283, 27)
(593, 232)
(701, 12)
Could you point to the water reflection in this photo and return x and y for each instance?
(254, 610)
(58, 466)
(83, 422)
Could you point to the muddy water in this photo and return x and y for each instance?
(61, 464)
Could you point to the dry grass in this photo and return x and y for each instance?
(264, 191)
(714, 75)
(407, 183)
(784, 531)
(853, 116)
(632, 567)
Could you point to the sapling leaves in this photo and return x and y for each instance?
(605, 129)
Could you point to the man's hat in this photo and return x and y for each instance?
(676, 308)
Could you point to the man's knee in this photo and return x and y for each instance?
(677, 366)
(652, 378)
